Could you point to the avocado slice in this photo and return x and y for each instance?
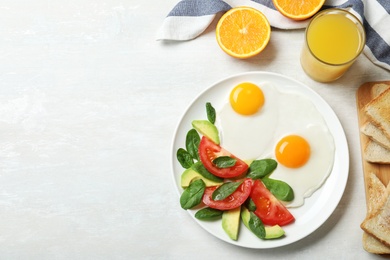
(206, 128)
(231, 222)
(245, 216)
(273, 232)
(190, 175)
(270, 232)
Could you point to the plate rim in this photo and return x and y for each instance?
(336, 196)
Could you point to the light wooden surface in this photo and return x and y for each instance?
(89, 102)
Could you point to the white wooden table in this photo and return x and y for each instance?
(89, 102)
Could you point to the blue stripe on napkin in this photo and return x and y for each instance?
(385, 4)
(266, 3)
(199, 7)
(379, 48)
(356, 5)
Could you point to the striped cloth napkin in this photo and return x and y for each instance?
(189, 18)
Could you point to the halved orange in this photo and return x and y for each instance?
(298, 9)
(243, 32)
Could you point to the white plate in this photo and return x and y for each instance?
(318, 207)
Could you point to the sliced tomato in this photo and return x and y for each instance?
(208, 151)
(268, 208)
(234, 200)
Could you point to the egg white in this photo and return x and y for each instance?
(307, 179)
(284, 113)
(247, 137)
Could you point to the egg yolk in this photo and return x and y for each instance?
(292, 151)
(246, 98)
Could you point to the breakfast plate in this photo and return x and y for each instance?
(317, 208)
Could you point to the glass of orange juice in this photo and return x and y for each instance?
(334, 39)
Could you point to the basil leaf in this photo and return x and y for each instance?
(280, 189)
(224, 162)
(256, 226)
(208, 214)
(184, 158)
(261, 168)
(192, 195)
(199, 168)
(210, 112)
(226, 189)
(192, 143)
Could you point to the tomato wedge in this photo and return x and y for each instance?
(208, 151)
(234, 200)
(268, 208)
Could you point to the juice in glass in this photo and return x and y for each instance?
(334, 39)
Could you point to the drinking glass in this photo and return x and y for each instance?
(334, 38)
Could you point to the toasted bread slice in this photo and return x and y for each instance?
(375, 153)
(376, 134)
(378, 89)
(378, 111)
(370, 129)
(376, 193)
(374, 245)
(377, 224)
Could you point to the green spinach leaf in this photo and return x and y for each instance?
(261, 168)
(211, 115)
(199, 168)
(224, 162)
(192, 195)
(250, 205)
(256, 226)
(192, 143)
(226, 189)
(208, 214)
(184, 158)
(280, 189)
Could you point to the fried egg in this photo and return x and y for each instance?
(287, 127)
(246, 134)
